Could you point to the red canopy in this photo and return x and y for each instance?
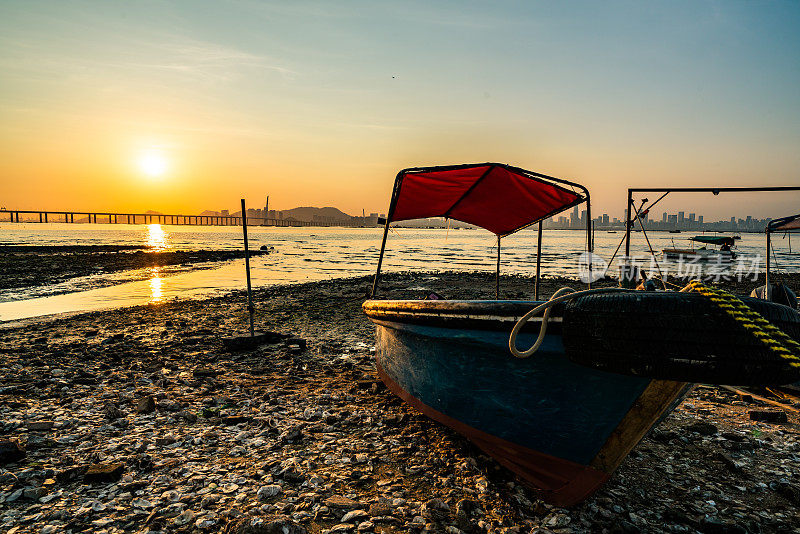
(494, 196)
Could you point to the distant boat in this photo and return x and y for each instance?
(724, 254)
(674, 231)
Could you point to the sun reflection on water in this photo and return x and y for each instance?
(156, 237)
(156, 292)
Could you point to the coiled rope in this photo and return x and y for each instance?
(770, 335)
(563, 294)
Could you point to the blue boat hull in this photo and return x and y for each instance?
(562, 427)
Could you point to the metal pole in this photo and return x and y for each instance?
(250, 309)
(380, 258)
(628, 224)
(538, 262)
(589, 243)
(497, 279)
(767, 291)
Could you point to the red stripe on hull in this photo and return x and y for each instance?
(557, 481)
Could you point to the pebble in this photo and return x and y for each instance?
(309, 442)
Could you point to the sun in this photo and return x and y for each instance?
(153, 163)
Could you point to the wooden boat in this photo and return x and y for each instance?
(561, 427)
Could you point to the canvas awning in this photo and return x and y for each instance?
(784, 224)
(713, 240)
(494, 196)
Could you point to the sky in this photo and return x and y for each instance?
(185, 106)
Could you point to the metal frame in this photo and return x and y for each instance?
(529, 174)
(667, 190)
(715, 191)
(771, 227)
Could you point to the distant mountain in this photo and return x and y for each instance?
(309, 213)
(151, 212)
(209, 213)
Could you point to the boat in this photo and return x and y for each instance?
(561, 427)
(674, 231)
(723, 255)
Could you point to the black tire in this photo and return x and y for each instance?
(675, 336)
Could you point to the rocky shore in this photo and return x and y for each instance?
(30, 266)
(139, 420)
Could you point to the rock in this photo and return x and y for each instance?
(464, 511)
(768, 416)
(33, 494)
(714, 525)
(184, 518)
(146, 405)
(10, 451)
(366, 526)
(790, 492)
(342, 527)
(39, 426)
(104, 473)
(338, 501)
(435, 509)
(236, 419)
(354, 516)
(703, 428)
(380, 508)
(112, 412)
(259, 525)
(300, 343)
(265, 492)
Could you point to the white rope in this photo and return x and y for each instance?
(563, 294)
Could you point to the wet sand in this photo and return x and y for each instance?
(33, 266)
(138, 419)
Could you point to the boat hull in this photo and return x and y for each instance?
(689, 255)
(563, 428)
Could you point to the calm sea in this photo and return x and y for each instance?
(309, 254)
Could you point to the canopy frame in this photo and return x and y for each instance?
(774, 226)
(543, 178)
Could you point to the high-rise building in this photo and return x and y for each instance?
(664, 217)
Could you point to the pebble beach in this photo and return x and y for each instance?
(140, 420)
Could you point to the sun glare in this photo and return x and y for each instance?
(153, 163)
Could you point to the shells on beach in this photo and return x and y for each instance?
(268, 438)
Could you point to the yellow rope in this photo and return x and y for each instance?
(769, 334)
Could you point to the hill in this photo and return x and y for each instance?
(310, 213)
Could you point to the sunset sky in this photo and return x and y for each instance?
(186, 106)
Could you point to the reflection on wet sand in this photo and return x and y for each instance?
(156, 292)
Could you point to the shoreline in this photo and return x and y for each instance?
(204, 440)
(32, 266)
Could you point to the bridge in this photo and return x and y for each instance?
(84, 217)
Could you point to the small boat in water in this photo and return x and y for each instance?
(723, 254)
(563, 428)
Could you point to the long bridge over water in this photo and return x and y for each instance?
(83, 217)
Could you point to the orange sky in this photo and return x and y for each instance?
(319, 104)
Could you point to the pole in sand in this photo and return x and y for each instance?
(250, 309)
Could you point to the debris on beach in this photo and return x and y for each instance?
(139, 420)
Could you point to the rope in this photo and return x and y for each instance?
(563, 294)
(770, 335)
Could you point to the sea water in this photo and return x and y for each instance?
(316, 253)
